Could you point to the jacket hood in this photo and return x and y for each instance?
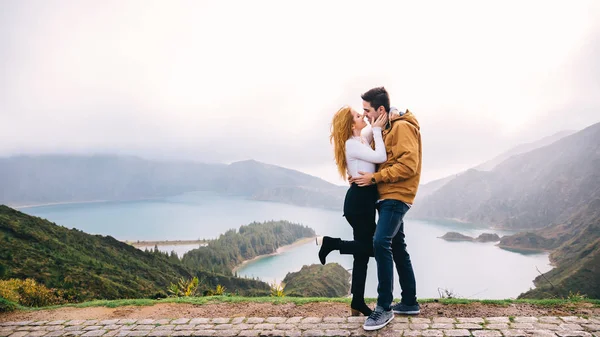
(407, 117)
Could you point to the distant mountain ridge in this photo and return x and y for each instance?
(530, 190)
(73, 178)
(432, 186)
(26, 180)
(522, 148)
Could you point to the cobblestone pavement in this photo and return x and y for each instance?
(310, 326)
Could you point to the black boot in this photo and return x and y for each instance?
(358, 306)
(329, 244)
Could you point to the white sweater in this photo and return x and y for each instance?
(359, 154)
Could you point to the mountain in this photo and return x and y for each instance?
(265, 176)
(432, 186)
(530, 190)
(273, 183)
(331, 198)
(68, 178)
(522, 148)
(428, 189)
(576, 255)
(89, 267)
(555, 192)
(64, 178)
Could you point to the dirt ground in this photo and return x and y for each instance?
(321, 309)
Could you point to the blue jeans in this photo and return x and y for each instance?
(389, 247)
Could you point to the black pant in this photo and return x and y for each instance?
(359, 210)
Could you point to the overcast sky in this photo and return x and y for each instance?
(221, 81)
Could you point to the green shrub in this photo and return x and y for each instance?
(6, 305)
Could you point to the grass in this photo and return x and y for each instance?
(304, 300)
(507, 302)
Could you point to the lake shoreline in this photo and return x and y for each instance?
(22, 206)
(140, 243)
(279, 250)
(524, 249)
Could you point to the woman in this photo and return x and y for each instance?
(353, 154)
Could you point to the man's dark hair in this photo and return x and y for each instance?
(377, 97)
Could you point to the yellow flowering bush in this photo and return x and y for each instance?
(28, 293)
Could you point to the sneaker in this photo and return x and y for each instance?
(404, 309)
(378, 319)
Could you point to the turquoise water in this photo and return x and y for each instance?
(470, 270)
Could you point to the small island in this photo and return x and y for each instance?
(528, 241)
(330, 280)
(484, 237)
(488, 237)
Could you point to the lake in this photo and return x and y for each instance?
(468, 269)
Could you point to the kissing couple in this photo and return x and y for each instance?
(382, 163)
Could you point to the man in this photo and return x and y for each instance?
(397, 182)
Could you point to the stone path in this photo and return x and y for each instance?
(310, 326)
